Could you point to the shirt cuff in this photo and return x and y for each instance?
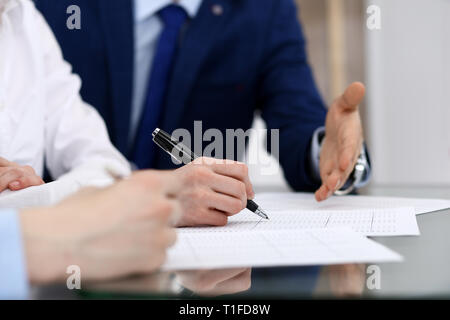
(316, 146)
(13, 275)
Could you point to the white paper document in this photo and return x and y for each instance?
(369, 222)
(306, 201)
(255, 248)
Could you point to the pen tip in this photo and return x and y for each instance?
(261, 214)
(264, 214)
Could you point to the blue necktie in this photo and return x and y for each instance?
(173, 18)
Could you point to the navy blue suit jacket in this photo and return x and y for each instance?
(252, 57)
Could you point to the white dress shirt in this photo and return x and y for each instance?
(42, 115)
(148, 28)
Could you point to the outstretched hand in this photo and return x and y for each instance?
(342, 142)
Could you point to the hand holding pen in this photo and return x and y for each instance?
(208, 192)
(224, 185)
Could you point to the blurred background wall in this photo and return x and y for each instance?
(335, 33)
(406, 68)
(408, 73)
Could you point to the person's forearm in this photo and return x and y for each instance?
(46, 258)
(107, 232)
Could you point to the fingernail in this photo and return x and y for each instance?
(14, 184)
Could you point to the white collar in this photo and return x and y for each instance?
(145, 8)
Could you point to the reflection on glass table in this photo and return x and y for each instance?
(339, 281)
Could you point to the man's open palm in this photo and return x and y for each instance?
(343, 141)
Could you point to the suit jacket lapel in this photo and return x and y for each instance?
(117, 20)
(196, 44)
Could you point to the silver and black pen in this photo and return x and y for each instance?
(184, 155)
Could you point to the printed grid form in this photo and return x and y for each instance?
(306, 201)
(274, 248)
(369, 222)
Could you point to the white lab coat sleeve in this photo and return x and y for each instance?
(77, 145)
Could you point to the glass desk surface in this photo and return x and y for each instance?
(424, 272)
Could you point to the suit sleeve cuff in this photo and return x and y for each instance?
(13, 276)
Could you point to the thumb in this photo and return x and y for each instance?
(352, 97)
